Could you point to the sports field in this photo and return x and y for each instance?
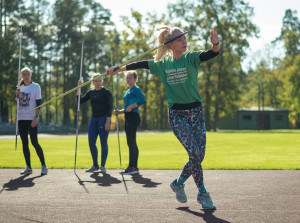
(225, 150)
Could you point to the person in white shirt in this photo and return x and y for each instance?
(29, 95)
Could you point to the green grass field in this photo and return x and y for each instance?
(225, 150)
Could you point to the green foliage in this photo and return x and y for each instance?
(225, 150)
(51, 47)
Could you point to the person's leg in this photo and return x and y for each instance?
(23, 130)
(132, 122)
(92, 136)
(179, 122)
(103, 139)
(36, 145)
(199, 131)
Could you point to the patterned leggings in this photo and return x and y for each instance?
(189, 127)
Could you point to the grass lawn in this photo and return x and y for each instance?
(225, 150)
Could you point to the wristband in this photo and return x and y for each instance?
(216, 44)
(36, 116)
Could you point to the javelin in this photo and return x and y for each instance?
(78, 105)
(19, 71)
(116, 68)
(117, 117)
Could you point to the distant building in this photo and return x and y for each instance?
(253, 118)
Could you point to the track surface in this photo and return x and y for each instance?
(62, 196)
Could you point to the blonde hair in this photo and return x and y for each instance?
(165, 33)
(21, 79)
(93, 76)
(132, 72)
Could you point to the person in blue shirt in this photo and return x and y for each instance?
(133, 98)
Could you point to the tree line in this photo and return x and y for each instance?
(51, 47)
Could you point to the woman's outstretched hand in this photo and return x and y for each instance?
(214, 40)
(112, 70)
(214, 37)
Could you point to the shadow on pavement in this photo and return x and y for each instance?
(207, 216)
(137, 178)
(15, 184)
(105, 180)
(81, 183)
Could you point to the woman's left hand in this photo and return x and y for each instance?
(128, 109)
(34, 122)
(214, 37)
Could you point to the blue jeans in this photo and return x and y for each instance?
(97, 127)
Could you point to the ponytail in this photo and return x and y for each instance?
(163, 35)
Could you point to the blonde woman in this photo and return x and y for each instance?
(179, 71)
(29, 95)
(102, 106)
(133, 98)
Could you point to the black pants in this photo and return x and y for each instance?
(24, 128)
(132, 121)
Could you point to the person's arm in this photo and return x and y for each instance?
(214, 51)
(85, 98)
(132, 66)
(109, 103)
(140, 100)
(138, 65)
(38, 101)
(110, 109)
(207, 55)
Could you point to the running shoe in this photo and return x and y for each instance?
(27, 171)
(179, 190)
(44, 170)
(92, 169)
(102, 169)
(130, 171)
(206, 201)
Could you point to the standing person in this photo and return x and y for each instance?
(133, 98)
(102, 106)
(29, 94)
(178, 72)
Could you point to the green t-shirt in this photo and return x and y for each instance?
(179, 77)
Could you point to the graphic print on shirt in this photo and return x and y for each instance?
(176, 76)
(24, 101)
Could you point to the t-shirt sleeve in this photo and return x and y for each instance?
(194, 59)
(154, 67)
(139, 96)
(38, 93)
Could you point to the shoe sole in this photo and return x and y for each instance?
(207, 209)
(174, 190)
(131, 173)
(26, 173)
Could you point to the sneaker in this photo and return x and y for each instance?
(130, 171)
(27, 171)
(102, 169)
(44, 170)
(206, 201)
(179, 190)
(92, 169)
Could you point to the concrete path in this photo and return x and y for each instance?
(62, 196)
